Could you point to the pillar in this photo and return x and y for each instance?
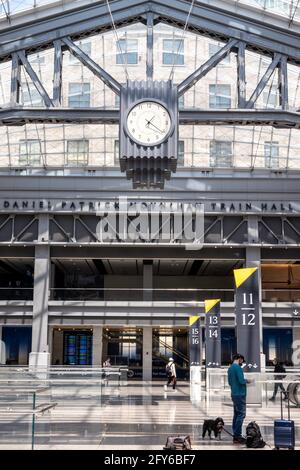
(97, 345)
(147, 280)
(253, 259)
(39, 355)
(147, 353)
(2, 348)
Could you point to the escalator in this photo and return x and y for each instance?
(294, 393)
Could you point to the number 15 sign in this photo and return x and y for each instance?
(247, 317)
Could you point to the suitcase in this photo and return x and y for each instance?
(284, 429)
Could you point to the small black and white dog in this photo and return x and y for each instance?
(213, 425)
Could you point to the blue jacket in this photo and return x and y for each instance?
(237, 380)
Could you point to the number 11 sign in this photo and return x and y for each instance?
(247, 317)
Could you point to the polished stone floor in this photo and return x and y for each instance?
(133, 416)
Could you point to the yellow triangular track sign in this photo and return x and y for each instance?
(193, 319)
(241, 275)
(209, 304)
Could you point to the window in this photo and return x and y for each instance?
(271, 97)
(180, 160)
(77, 152)
(271, 153)
(219, 96)
(79, 95)
(85, 47)
(30, 152)
(116, 152)
(127, 52)
(173, 52)
(213, 49)
(30, 95)
(220, 153)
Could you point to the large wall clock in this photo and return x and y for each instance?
(148, 132)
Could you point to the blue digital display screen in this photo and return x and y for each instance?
(77, 348)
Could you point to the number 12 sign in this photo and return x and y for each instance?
(247, 317)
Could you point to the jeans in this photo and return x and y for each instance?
(239, 407)
(276, 387)
(172, 380)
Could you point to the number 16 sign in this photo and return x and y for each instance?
(247, 316)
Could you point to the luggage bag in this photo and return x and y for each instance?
(284, 429)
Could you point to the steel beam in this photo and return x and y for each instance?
(57, 77)
(82, 21)
(241, 75)
(201, 71)
(266, 117)
(113, 84)
(283, 83)
(219, 23)
(263, 82)
(20, 116)
(149, 66)
(35, 79)
(15, 84)
(205, 19)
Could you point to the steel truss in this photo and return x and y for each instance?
(219, 230)
(239, 33)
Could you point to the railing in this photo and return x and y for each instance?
(140, 294)
(216, 380)
(40, 407)
(16, 293)
(281, 295)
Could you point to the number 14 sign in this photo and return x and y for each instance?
(247, 317)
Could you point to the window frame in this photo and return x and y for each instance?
(173, 52)
(76, 163)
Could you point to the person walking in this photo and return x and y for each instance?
(278, 368)
(238, 385)
(171, 374)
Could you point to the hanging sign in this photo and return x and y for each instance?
(195, 341)
(212, 333)
(247, 317)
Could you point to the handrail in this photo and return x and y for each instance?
(173, 350)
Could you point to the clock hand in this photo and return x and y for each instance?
(149, 122)
(159, 130)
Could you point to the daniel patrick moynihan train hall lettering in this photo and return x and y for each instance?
(149, 225)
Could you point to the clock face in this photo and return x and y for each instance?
(148, 123)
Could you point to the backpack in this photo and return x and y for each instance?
(254, 438)
(168, 370)
(178, 443)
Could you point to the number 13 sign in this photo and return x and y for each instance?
(247, 316)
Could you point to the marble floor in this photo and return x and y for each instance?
(133, 416)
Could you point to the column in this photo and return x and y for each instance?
(147, 280)
(253, 259)
(97, 345)
(2, 348)
(39, 355)
(147, 353)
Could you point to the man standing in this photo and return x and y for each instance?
(238, 387)
(278, 368)
(171, 374)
